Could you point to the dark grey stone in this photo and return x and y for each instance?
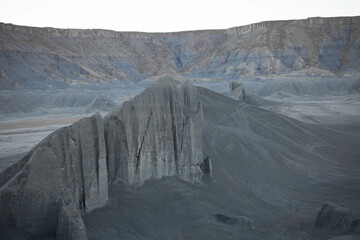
(333, 217)
(70, 224)
(237, 91)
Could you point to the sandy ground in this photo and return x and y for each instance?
(343, 109)
(37, 123)
(17, 137)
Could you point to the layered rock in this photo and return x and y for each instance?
(158, 133)
(70, 57)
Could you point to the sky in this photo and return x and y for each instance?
(166, 16)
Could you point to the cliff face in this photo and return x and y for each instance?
(30, 201)
(159, 133)
(81, 151)
(66, 171)
(43, 57)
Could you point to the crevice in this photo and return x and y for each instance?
(206, 168)
(173, 129)
(142, 142)
(107, 150)
(182, 132)
(73, 140)
(70, 172)
(82, 201)
(94, 127)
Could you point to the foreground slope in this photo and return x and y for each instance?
(270, 176)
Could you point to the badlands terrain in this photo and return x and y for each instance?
(251, 132)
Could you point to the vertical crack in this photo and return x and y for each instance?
(96, 143)
(82, 201)
(182, 132)
(173, 129)
(142, 142)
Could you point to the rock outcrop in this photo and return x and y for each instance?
(158, 133)
(70, 224)
(235, 220)
(66, 171)
(333, 217)
(206, 168)
(31, 200)
(237, 91)
(81, 151)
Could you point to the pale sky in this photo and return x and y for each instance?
(166, 16)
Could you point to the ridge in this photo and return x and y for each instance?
(70, 32)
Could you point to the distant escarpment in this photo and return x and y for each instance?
(48, 57)
(159, 133)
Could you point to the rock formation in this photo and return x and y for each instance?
(81, 151)
(333, 217)
(158, 133)
(235, 220)
(30, 201)
(237, 91)
(66, 171)
(206, 168)
(70, 224)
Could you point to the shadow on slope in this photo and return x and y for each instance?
(271, 170)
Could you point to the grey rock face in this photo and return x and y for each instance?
(159, 133)
(237, 91)
(333, 217)
(30, 201)
(81, 151)
(70, 224)
(66, 170)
